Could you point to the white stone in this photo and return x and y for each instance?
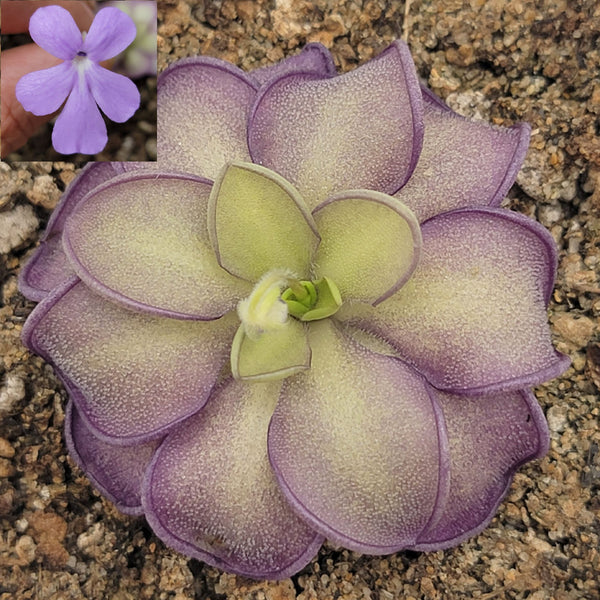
(11, 392)
(16, 226)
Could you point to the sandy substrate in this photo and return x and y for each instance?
(503, 61)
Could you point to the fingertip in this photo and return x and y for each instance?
(18, 124)
(16, 13)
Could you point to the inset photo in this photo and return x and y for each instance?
(78, 80)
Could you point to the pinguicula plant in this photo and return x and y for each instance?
(312, 320)
(80, 79)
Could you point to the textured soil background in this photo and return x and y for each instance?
(503, 61)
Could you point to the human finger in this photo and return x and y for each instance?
(16, 13)
(18, 124)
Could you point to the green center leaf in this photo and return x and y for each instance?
(360, 245)
(323, 301)
(271, 340)
(275, 354)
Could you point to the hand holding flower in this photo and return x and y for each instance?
(79, 79)
(18, 124)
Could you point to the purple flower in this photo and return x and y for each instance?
(312, 320)
(80, 79)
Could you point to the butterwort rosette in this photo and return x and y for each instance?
(79, 79)
(312, 320)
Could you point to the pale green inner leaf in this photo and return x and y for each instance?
(275, 354)
(328, 301)
(369, 244)
(258, 223)
(146, 239)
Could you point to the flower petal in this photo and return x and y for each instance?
(53, 29)
(275, 354)
(472, 318)
(117, 96)
(370, 244)
(203, 106)
(314, 58)
(110, 33)
(48, 266)
(141, 240)
(354, 445)
(211, 493)
(123, 391)
(489, 438)
(362, 129)
(43, 92)
(80, 126)
(117, 471)
(257, 222)
(463, 163)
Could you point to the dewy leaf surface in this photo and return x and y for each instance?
(362, 129)
(275, 354)
(48, 267)
(257, 222)
(137, 374)
(370, 244)
(142, 240)
(314, 58)
(203, 106)
(463, 163)
(472, 318)
(211, 492)
(118, 471)
(354, 444)
(489, 437)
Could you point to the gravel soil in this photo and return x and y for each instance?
(500, 60)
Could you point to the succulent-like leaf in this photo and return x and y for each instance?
(203, 105)
(117, 471)
(142, 240)
(124, 390)
(370, 244)
(257, 222)
(48, 267)
(463, 163)
(275, 354)
(354, 442)
(489, 437)
(211, 492)
(314, 58)
(472, 318)
(362, 129)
